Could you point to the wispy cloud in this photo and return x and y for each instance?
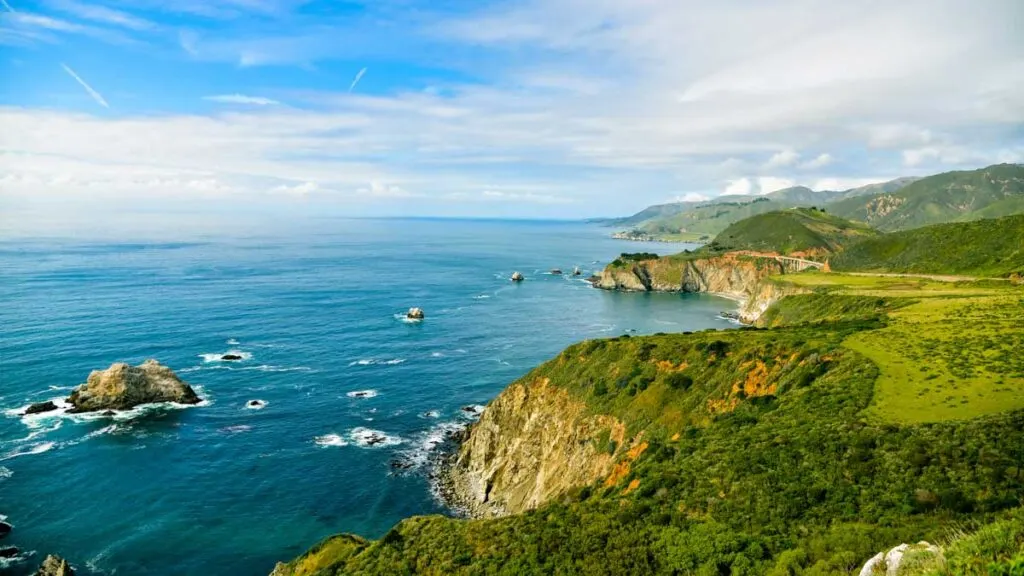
(359, 76)
(102, 14)
(95, 95)
(242, 99)
(7, 6)
(822, 160)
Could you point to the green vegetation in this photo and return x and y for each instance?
(803, 449)
(949, 197)
(989, 248)
(796, 230)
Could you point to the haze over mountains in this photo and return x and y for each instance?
(898, 204)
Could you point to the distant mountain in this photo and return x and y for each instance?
(807, 230)
(696, 220)
(949, 197)
(977, 248)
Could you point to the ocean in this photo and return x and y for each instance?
(317, 313)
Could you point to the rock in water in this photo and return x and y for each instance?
(576, 271)
(415, 314)
(55, 566)
(121, 387)
(556, 271)
(517, 277)
(5, 529)
(231, 357)
(41, 407)
(8, 551)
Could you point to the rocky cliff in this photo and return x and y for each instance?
(532, 443)
(121, 387)
(738, 276)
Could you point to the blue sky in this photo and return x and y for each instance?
(533, 108)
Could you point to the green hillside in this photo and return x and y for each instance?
(788, 231)
(692, 221)
(991, 248)
(949, 197)
(782, 451)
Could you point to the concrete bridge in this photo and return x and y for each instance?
(801, 264)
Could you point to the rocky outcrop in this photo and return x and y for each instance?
(517, 277)
(905, 560)
(122, 387)
(737, 276)
(415, 314)
(5, 529)
(532, 443)
(55, 566)
(40, 407)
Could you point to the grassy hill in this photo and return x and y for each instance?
(949, 197)
(795, 230)
(990, 248)
(692, 220)
(803, 449)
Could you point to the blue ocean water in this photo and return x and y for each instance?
(316, 310)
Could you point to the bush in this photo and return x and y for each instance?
(679, 381)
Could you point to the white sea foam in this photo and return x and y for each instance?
(5, 473)
(330, 440)
(502, 362)
(481, 297)
(367, 438)
(255, 404)
(362, 394)
(34, 449)
(427, 442)
(270, 368)
(431, 414)
(219, 356)
(237, 429)
(232, 342)
(41, 432)
(437, 355)
(405, 318)
(375, 362)
(472, 412)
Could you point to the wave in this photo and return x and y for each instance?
(405, 318)
(232, 342)
(34, 449)
(35, 421)
(367, 438)
(261, 368)
(431, 414)
(4, 474)
(236, 429)
(256, 404)
(481, 297)
(362, 394)
(428, 444)
(375, 362)
(330, 440)
(502, 362)
(219, 356)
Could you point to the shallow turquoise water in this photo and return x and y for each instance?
(220, 489)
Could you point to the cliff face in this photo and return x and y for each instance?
(532, 443)
(121, 387)
(734, 276)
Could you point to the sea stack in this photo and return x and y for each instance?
(576, 271)
(55, 566)
(517, 277)
(415, 314)
(40, 407)
(122, 387)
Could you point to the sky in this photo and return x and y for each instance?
(522, 108)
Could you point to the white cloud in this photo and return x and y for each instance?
(691, 197)
(241, 99)
(102, 14)
(822, 160)
(741, 186)
(768, 184)
(918, 156)
(839, 184)
(378, 189)
(782, 159)
(300, 189)
(88, 89)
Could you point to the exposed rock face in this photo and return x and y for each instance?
(121, 387)
(41, 407)
(576, 271)
(55, 566)
(905, 559)
(415, 314)
(9, 551)
(5, 529)
(532, 443)
(556, 271)
(231, 357)
(730, 275)
(517, 277)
